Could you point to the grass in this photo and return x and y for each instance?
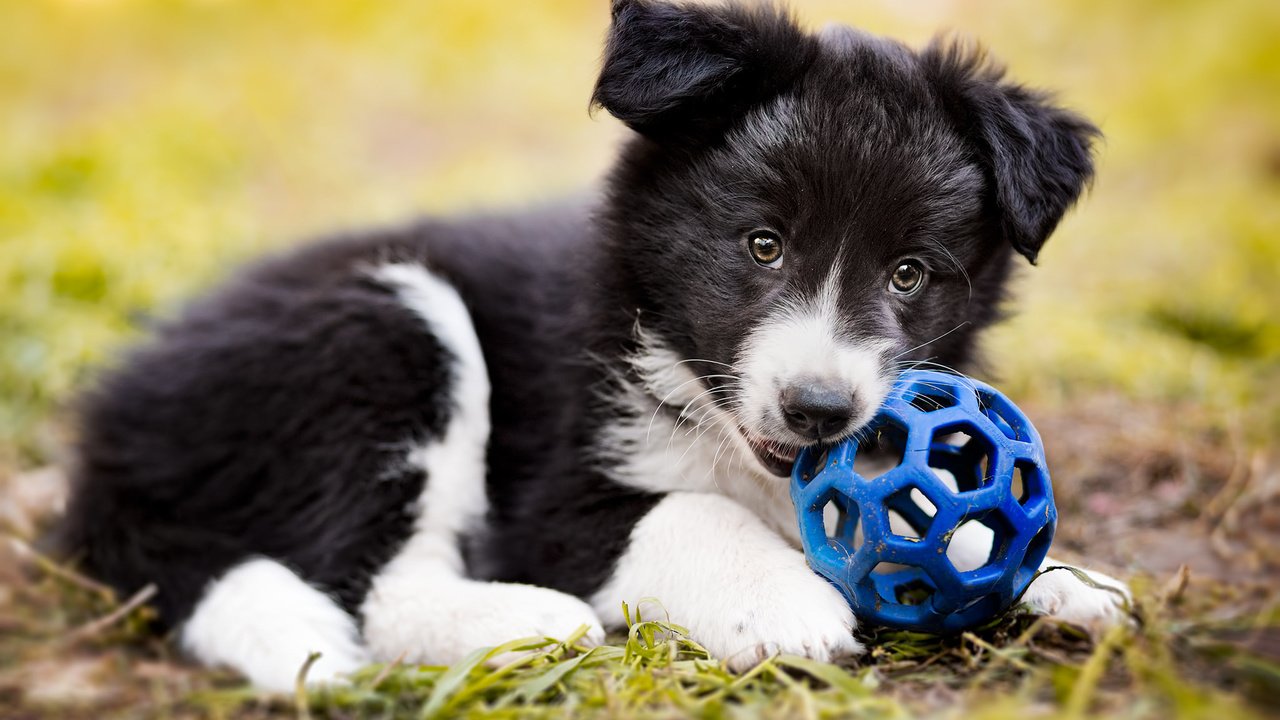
(1019, 664)
(149, 146)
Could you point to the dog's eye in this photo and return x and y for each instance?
(765, 247)
(907, 278)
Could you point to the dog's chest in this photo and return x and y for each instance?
(692, 451)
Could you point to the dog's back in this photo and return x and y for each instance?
(284, 415)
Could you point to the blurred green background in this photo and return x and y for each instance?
(148, 146)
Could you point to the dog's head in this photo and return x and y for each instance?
(800, 214)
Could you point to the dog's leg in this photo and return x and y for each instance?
(1058, 593)
(739, 588)
(1063, 595)
(425, 611)
(421, 605)
(263, 620)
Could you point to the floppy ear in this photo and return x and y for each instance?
(671, 69)
(1038, 156)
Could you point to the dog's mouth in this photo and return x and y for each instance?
(776, 457)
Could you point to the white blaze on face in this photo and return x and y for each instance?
(805, 339)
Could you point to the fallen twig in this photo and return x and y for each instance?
(95, 627)
(386, 670)
(47, 565)
(300, 701)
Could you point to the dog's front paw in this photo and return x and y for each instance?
(800, 614)
(735, 584)
(1095, 606)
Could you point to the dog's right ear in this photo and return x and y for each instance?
(1039, 156)
(683, 69)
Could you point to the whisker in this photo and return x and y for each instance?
(720, 445)
(904, 352)
(705, 409)
(694, 442)
(942, 389)
(711, 415)
(705, 360)
(708, 408)
(662, 403)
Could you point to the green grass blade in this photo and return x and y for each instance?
(450, 681)
(535, 687)
(832, 675)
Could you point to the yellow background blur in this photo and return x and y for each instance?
(147, 146)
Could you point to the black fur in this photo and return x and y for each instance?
(264, 421)
(1038, 157)
(670, 70)
(268, 418)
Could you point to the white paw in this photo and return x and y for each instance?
(441, 620)
(799, 613)
(736, 585)
(541, 612)
(1062, 595)
(264, 621)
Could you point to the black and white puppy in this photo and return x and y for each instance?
(426, 440)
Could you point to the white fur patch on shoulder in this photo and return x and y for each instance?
(741, 589)
(263, 621)
(421, 605)
(454, 500)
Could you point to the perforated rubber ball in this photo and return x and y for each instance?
(952, 527)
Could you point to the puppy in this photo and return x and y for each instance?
(426, 440)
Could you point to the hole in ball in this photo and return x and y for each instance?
(915, 592)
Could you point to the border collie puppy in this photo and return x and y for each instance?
(426, 440)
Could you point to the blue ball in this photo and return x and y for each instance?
(965, 454)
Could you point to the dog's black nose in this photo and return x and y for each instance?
(816, 409)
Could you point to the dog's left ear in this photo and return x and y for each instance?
(1039, 156)
(684, 69)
